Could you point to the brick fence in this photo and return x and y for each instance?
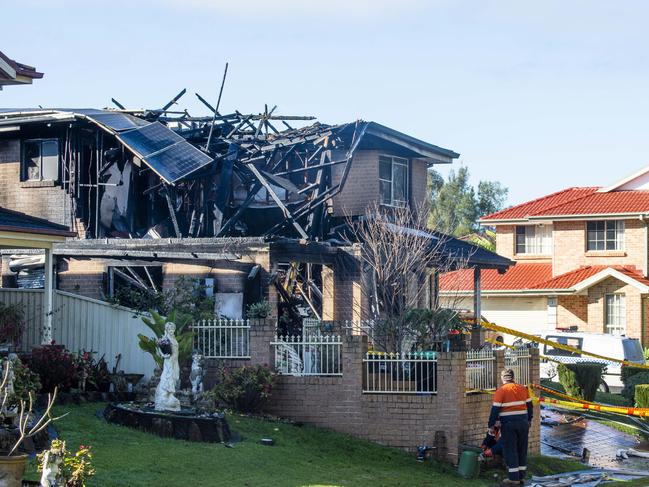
(444, 421)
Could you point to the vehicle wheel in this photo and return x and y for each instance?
(603, 387)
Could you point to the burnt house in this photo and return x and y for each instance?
(248, 204)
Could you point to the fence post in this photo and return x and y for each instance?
(499, 365)
(262, 333)
(451, 385)
(535, 378)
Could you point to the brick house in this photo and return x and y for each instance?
(581, 261)
(137, 215)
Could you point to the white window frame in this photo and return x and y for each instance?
(611, 227)
(615, 314)
(534, 242)
(552, 311)
(395, 161)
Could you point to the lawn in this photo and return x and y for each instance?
(302, 456)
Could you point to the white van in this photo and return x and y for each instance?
(618, 347)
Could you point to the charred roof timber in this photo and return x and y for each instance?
(164, 173)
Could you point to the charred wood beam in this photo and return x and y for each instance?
(174, 100)
(310, 168)
(130, 280)
(225, 187)
(172, 211)
(237, 215)
(287, 214)
(117, 104)
(216, 108)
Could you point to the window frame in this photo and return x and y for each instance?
(24, 176)
(616, 227)
(403, 162)
(617, 326)
(538, 240)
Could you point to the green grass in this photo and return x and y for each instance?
(302, 456)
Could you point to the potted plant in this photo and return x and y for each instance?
(12, 463)
(12, 324)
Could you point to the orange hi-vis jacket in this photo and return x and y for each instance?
(511, 402)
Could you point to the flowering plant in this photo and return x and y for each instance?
(75, 468)
(164, 345)
(56, 367)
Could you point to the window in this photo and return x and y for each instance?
(393, 181)
(534, 239)
(605, 235)
(552, 311)
(615, 314)
(570, 341)
(40, 160)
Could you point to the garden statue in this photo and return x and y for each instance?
(50, 466)
(196, 374)
(165, 398)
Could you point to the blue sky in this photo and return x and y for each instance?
(537, 95)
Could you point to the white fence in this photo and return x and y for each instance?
(519, 361)
(221, 338)
(308, 355)
(393, 373)
(81, 323)
(480, 366)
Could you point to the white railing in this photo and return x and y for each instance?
(480, 370)
(361, 327)
(221, 338)
(519, 361)
(308, 355)
(408, 373)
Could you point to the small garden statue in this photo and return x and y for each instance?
(165, 398)
(196, 374)
(50, 465)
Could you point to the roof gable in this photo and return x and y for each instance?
(638, 181)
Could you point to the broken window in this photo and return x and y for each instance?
(136, 287)
(393, 181)
(40, 160)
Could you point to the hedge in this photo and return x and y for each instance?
(629, 371)
(642, 396)
(632, 382)
(582, 379)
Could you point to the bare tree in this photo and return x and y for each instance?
(400, 258)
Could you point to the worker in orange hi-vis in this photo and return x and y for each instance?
(512, 406)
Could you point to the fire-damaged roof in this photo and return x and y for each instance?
(14, 221)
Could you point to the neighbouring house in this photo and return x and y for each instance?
(15, 73)
(581, 261)
(248, 210)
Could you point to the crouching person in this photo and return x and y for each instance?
(512, 406)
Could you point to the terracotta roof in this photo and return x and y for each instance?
(520, 276)
(570, 279)
(530, 277)
(541, 205)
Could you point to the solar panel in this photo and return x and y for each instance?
(178, 161)
(117, 121)
(166, 152)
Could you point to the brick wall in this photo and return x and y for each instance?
(398, 420)
(39, 199)
(505, 238)
(418, 183)
(570, 247)
(84, 277)
(572, 311)
(596, 306)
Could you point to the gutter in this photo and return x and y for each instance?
(585, 216)
(512, 292)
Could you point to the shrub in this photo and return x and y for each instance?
(26, 382)
(642, 396)
(582, 379)
(12, 323)
(262, 309)
(628, 371)
(75, 469)
(632, 382)
(55, 366)
(245, 389)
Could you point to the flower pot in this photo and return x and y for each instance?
(12, 470)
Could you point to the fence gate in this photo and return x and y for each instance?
(221, 338)
(519, 361)
(308, 355)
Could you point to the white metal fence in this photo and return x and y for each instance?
(81, 323)
(308, 355)
(519, 361)
(409, 373)
(480, 366)
(222, 338)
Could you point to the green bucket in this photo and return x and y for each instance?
(469, 466)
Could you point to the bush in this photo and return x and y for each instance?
(628, 371)
(26, 382)
(642, 396)
(582, 379)
(259, 310)
(12, 323)
(245, 389)
(632, 382)
(56, 367)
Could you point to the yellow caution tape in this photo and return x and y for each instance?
(561, 346)
(512, 347)
(561, 394)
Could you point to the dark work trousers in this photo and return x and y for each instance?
(514, 439)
